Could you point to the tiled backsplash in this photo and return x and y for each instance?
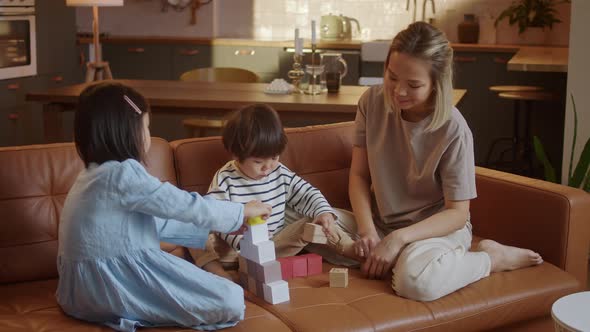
(277, 19)
(382, 19)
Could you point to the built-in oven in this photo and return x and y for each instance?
(18, 50)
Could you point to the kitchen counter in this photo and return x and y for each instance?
(354, 44)
(543, 59)
(213, 100)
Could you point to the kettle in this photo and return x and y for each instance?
(332, 27)
(347, 27)
(337, 27)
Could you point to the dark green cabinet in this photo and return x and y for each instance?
(58, 63)
(139, 61)
(188, 57)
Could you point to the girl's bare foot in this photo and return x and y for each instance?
(507, 258)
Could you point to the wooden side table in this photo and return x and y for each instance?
(571, 313)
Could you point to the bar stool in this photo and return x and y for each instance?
(521, 145)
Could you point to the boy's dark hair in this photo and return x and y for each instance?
(106, 126)
(254, 131)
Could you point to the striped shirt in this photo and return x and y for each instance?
(281, 189)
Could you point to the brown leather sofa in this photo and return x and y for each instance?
(549, 218)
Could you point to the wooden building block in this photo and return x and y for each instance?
(243, 279)
(299, 266)
(256, 233)
(268, 272)
(252, 286)
(286, 268)
(276, 292)
(314, 233)
(314, 264)
(338, 277)
(260, 252)
(243, 264)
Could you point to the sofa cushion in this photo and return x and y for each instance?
(319, 154)
(502, 299)
(34, 183)
(31, 307)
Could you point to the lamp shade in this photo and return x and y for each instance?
(98, 3)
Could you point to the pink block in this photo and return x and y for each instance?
(299, 266)
(286, 268)
(314, 264)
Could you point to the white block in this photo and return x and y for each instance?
(276, 292)
(260, 252)
(256, 233)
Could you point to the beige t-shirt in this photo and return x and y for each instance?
(412, 170)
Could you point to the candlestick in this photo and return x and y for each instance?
(313, 31)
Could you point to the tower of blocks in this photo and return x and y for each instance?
(262, 273)
(259, 270)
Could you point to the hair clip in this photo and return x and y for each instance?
(132, 104)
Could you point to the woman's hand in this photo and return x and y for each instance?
(326, 220)
(382, 258)
(366, 243)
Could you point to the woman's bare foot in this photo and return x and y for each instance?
(507, 258)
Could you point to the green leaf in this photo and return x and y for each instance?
(569, 174)
(582, 167)
(542, 157)
(586, 185)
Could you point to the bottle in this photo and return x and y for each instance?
(468, 30)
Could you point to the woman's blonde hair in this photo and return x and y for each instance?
(423, 41)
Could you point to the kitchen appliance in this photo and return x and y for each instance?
(18, 48)
(335, 27)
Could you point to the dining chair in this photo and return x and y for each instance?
(199, 127)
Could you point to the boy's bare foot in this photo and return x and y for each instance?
(507, 258)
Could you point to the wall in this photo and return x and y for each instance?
(276, 19)
(577, 83)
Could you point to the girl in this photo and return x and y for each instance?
(415, 150)
(111, 268)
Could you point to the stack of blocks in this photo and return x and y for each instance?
(259, 270)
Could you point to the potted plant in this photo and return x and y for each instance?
(531, 13)
(581, 176)
(532, 17)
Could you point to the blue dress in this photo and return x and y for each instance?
(111, 268)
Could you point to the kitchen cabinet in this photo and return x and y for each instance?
(58, 64)
(262, 60)
(187, 57)
(139, 60)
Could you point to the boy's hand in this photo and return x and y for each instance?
(256, 208)
(326, 220)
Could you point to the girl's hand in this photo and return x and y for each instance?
(366, 243)
(326, 220)
(381, 260)
(256, 208)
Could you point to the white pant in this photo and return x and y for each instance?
(430, 269)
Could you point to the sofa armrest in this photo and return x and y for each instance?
(551, 219)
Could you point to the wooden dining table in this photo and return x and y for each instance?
(211, 99)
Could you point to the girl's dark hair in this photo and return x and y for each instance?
(107, 127)
(254, 131)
